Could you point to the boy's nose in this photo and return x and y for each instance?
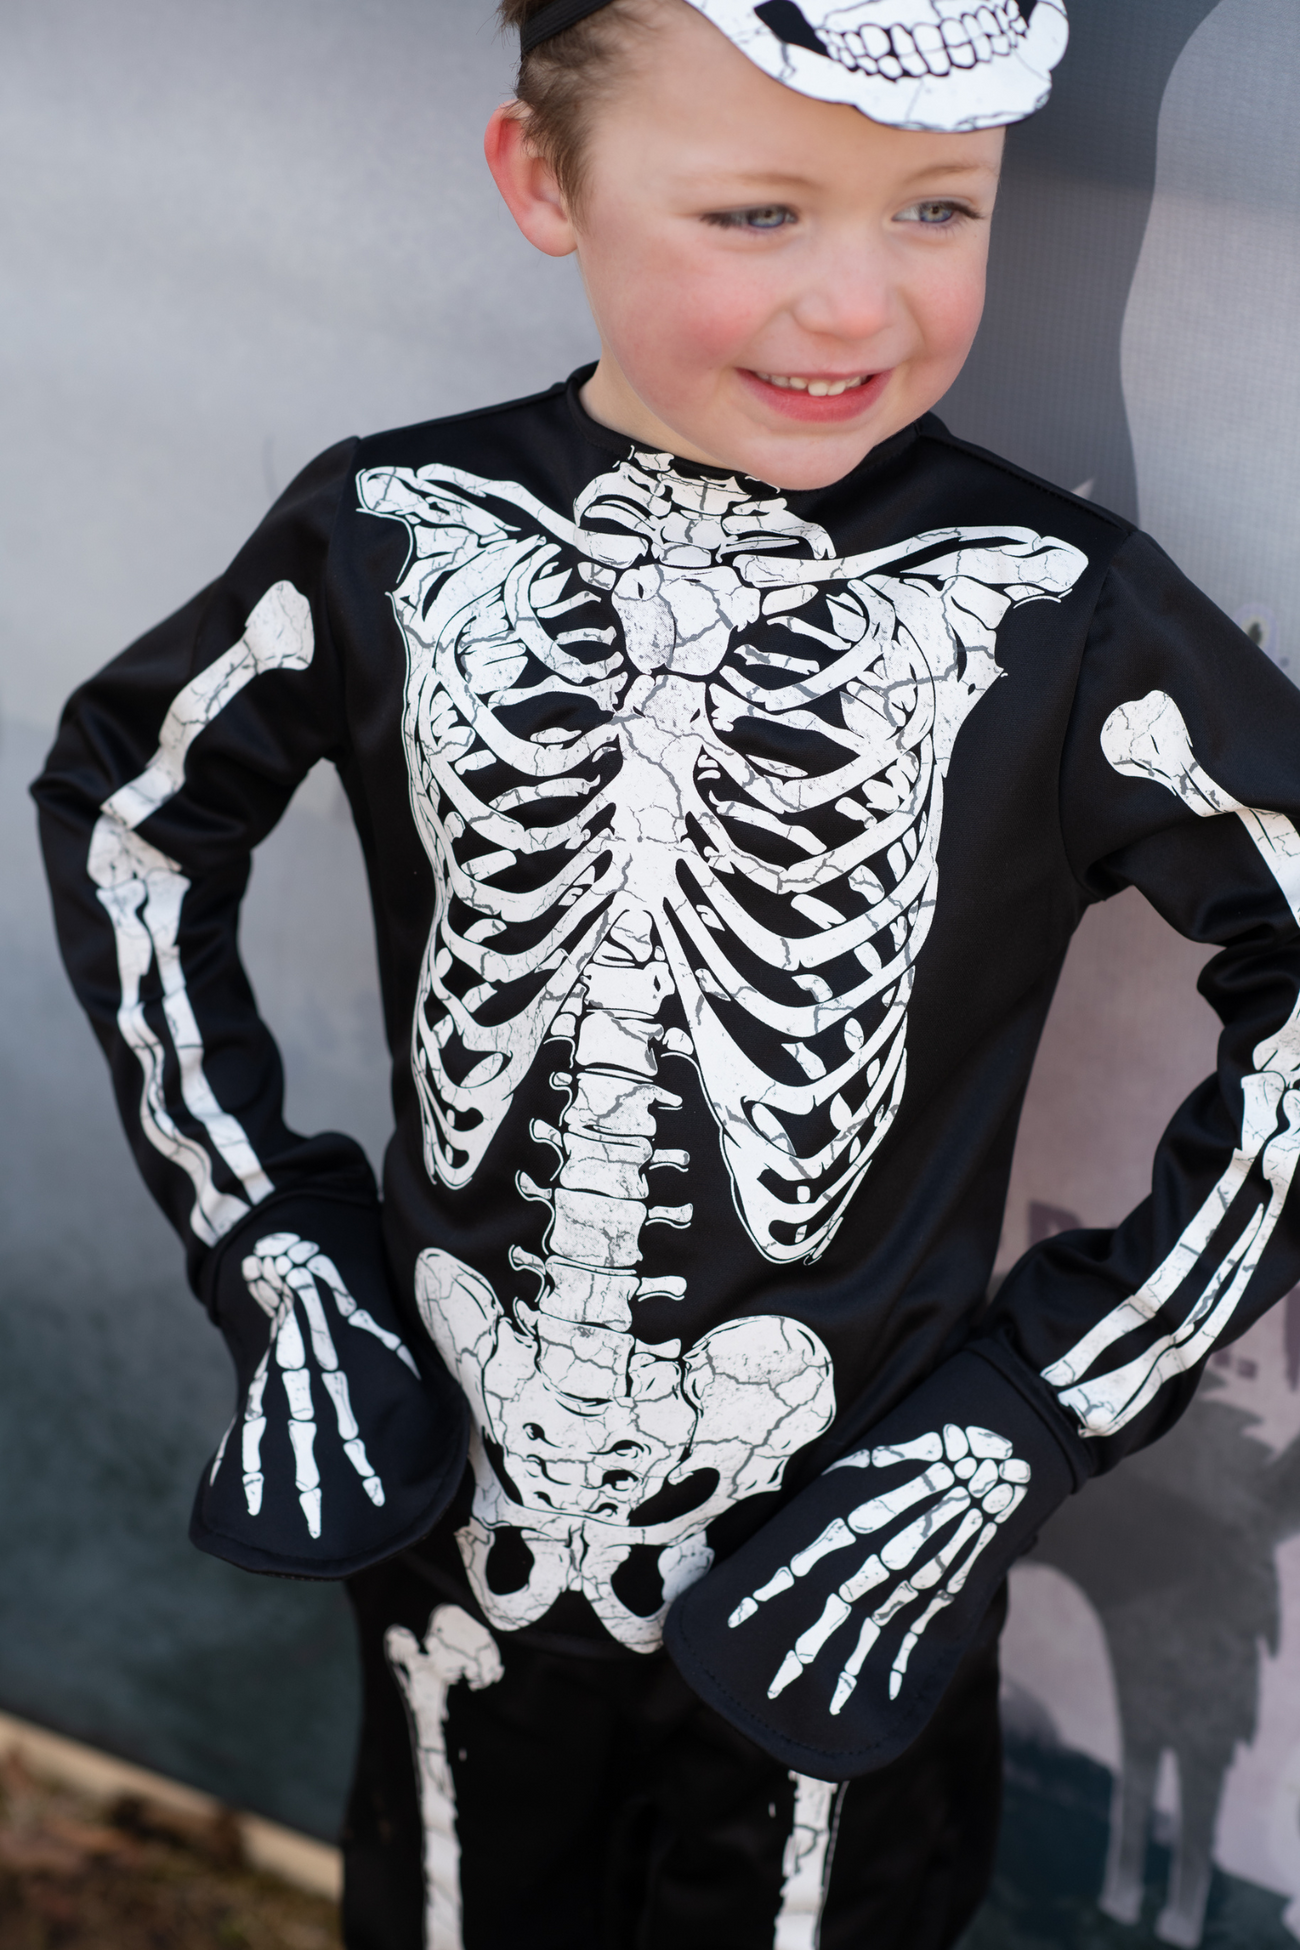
(847, 300)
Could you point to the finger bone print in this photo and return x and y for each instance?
(285, 1273)
(978, 1482)
(668, 754)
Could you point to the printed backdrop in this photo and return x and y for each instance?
(234, 234)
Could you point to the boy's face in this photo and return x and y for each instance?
(744, 248)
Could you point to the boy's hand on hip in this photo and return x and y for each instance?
(290, 1278)
(834, 1662)
(349, 1436)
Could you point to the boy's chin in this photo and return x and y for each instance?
(799, 463)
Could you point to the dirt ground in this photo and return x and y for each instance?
(131, 1875)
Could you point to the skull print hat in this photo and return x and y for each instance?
(941, 65)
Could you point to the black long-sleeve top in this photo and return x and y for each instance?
(724, 847)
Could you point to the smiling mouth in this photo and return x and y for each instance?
(816, 388)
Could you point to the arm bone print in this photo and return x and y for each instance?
(1148, 739)
(615, 835)
(142, 891)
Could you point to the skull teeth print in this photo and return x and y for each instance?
(931, 46)
(678, 771)
(926, 64)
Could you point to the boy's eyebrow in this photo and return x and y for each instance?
(793, 179)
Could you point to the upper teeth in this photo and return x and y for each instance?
(981, 33)
(819, 388)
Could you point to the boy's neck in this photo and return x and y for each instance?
(612, 403)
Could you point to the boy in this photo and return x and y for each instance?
(734, 753)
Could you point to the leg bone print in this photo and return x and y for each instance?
(1148, 738)
(285, 1273)
(456, 1650)
(717, 793)
(978, 1481)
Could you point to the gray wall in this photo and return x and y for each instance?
(232, 233)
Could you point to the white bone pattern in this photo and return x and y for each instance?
(978, 1482)
(142, 890)
(456, 1650)
(1148, 738)
(924, 63)
(648, 812)
(285, 1274)
(950, 34)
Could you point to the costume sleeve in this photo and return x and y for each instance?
(1180, 776)
(169, 768)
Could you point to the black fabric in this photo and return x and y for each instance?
(724, 848)
(552, 20)
(602, 1806)
(787, 22)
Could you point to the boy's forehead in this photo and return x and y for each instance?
(935, 65)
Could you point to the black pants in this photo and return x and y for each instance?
(568, 1802)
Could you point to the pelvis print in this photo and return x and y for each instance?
(679, 775)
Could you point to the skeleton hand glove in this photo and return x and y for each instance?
(344, 1446)
(830, 1637)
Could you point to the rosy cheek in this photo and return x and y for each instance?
(950, 310)
(675, 316)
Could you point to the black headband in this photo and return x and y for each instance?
(553, 20)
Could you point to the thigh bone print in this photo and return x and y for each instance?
(977, 1480)
(285, 1274)
(722, 785)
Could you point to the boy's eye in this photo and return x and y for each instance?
(764, 216)
(936, 213)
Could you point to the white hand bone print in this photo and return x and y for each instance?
(978, 1482)
(285, 1273)
(936, 64)
(717, 796)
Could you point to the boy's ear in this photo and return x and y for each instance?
(528, 184)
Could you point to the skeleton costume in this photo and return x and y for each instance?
(724, 846)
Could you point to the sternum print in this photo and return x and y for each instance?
(606, 1144)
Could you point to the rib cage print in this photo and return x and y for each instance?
(679, 773)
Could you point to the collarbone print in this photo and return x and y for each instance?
(678, 770)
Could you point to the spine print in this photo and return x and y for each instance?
(605, 1144)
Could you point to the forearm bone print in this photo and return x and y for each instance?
(717, 797)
